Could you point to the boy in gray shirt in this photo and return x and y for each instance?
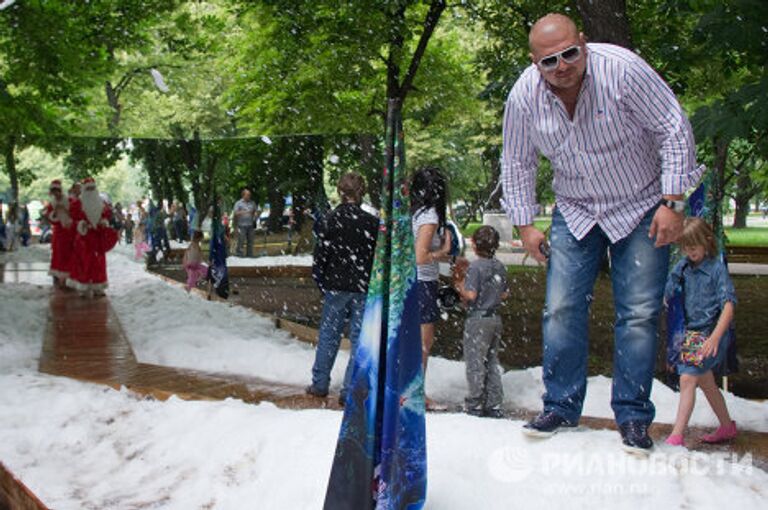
(483, 289)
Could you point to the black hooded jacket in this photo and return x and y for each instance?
(344, 249)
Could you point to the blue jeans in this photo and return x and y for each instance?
(160, 240)
(638, 275)
(338, 308)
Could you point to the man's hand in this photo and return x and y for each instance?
(666, 226)
(532, 239)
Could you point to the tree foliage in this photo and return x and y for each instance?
(237, 73)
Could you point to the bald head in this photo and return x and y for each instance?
(551, 36)
(551, 29)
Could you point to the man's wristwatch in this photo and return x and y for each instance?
(676, 205)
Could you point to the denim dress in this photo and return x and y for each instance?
(707, 287)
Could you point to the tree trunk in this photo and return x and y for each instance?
(312, 165)
(493, 157)
(745, 190)
(369, 165)
(177, 186)
(150, 161)
(165, 171)
(113, 99)
(605, 21)
(276, 209)
(718, 183)
(209, 182)
(10, 166)
(191, 153)
(396, 89)
(740, 215)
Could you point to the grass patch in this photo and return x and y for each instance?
(750, 236)
(470, 229)
(540, 223)
(517, 270)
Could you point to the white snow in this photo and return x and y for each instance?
(81, 446)
(232, 339)
(280, 260)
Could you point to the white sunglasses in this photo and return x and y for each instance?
(569, 55)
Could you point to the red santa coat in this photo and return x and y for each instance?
(91, 243)
(61, 242)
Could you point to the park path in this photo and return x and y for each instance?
(85, 340)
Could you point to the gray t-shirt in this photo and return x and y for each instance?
(427, 272)
(247, 210)
(487, 277)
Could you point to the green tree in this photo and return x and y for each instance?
(50, 54)
(731, 42)
(325, 67)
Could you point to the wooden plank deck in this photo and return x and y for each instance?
(84, 340)
(14, 495)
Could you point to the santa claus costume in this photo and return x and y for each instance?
(57, 213)
(93, 239)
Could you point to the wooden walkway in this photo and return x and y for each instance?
(84, 340)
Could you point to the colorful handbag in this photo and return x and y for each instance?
(691, 351)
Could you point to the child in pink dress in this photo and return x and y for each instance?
(193, 261)
(140, 245)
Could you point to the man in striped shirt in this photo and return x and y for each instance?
(623, 156)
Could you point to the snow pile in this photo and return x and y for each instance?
(280, 260)
(222, 338)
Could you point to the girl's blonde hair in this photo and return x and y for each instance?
(697, 232)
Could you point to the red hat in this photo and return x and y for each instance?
(88, 182)
(55, 184)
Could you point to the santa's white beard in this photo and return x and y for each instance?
(92, 205)
(59, 203)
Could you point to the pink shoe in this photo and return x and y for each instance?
(675, 440)
(722, 434)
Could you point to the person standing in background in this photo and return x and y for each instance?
(343, 259)
(244, 220)
(57, 214)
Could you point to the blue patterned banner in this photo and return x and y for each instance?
(380, 459)
(217, 271)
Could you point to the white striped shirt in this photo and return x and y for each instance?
(629, 142)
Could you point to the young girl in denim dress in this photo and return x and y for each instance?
(709, 301)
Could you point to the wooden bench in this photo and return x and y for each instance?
(747, 254)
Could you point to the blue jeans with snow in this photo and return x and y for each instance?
(339, 307)
(638, 275)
